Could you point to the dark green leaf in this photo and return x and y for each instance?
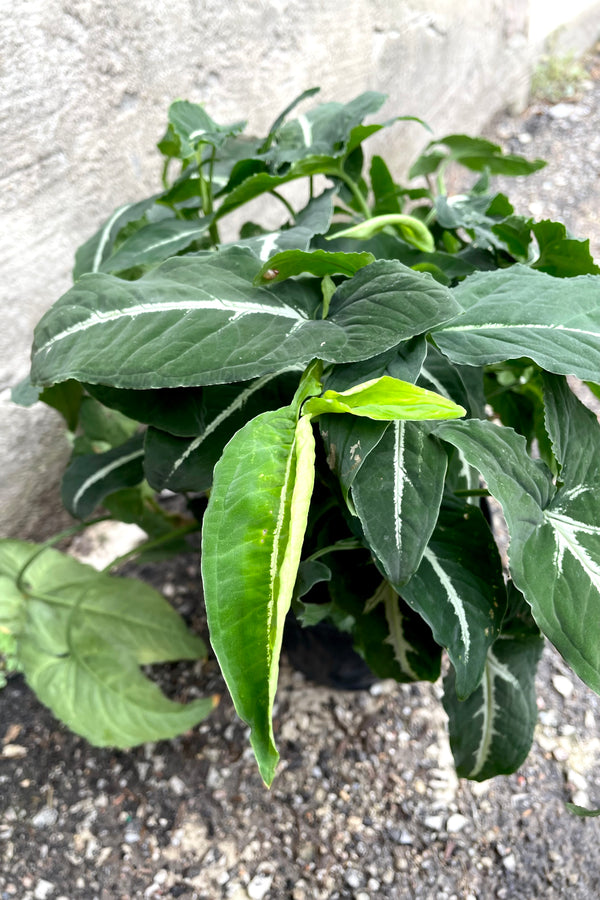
(519, 312)
(91, 255)
(554, 550)
(397, 493)
(384, 189)
(154, 243)
(491, 731)
(199, 320)
(90, 478)
(186, 464)
(560, 255)
(459, 590)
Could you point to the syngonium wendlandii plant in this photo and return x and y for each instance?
(299, 375)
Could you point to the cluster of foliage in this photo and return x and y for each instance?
(348, 389)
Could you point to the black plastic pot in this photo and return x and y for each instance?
(326, 656)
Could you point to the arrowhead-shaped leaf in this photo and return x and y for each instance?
(518, 312)
(81, 637)
(252, 538)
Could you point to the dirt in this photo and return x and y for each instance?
(366, 804)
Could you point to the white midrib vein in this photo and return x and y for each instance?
(223, 415)
(493, 669)
(399, 476)
(566, 529)
(454, 599)
(512, 326)
(236, 308)
(103, 240)
(103, 472)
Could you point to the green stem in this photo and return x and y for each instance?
(348, 544)
(74, 529)
(327, 289)
(213, 229)
(475, 492)
(152, 543)
(354, 188)
(286, 203)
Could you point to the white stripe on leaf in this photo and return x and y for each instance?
(396, 638)
(453, 597)
(494, 669)
(103, 239)
(235, 308)
(218, 420)
(102, 473)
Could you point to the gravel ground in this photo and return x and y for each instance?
(366, 804)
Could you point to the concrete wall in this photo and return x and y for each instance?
(85, 86)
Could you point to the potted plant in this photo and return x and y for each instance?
(348, 390)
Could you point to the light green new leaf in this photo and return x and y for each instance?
(517, 312)
(491, 731)
(385, 399)
(199, 320)
(251, 543)
(81, 637)
(413, 230)
(554, 547)
(93, 476)
(316, 262)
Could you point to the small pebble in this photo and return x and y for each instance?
(353, 878)
(177, 785)
(435, 823)
(45, 818)
(456, 822)
(43, 889)
(510, 862)
(259, 886)
(563, 685)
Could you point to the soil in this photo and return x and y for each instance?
(366, 804)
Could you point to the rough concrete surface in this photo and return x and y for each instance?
(85, 88)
